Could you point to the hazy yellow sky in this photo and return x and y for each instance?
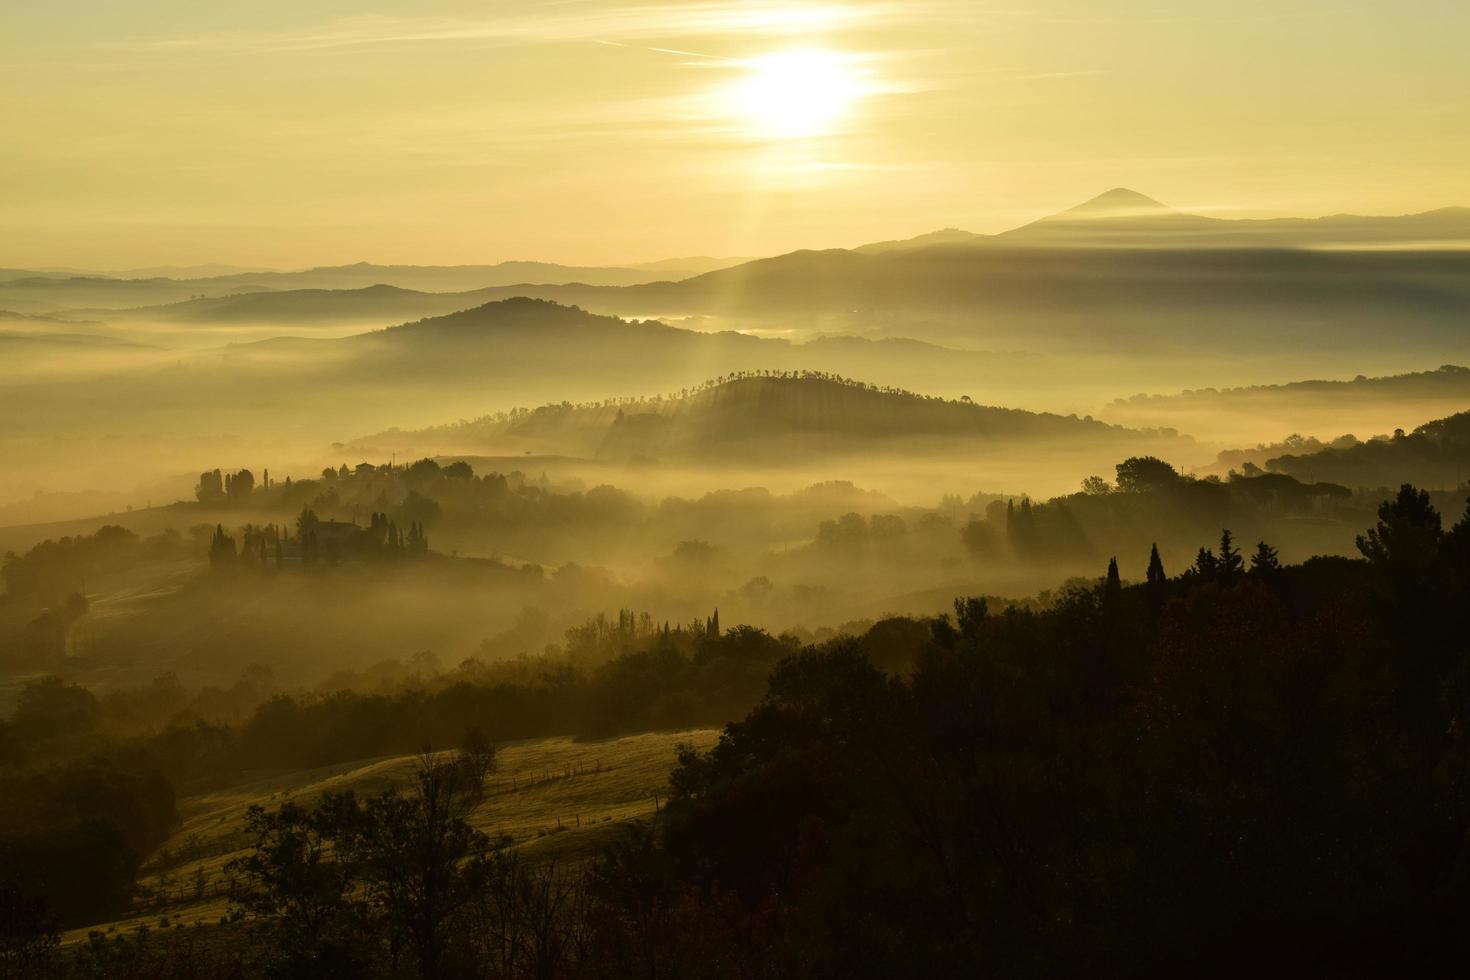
(297, 132)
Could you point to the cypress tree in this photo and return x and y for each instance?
(1230, 562)
(1158, 582)
(1113, 588)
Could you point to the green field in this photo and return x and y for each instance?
(555, 797)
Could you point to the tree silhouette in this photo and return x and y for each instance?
(1229, 562)
(1139, 474)
(1113, 586)
(221, 547)
(1206, 565)
(1265, 560)
(969, 614)
(1406, 538)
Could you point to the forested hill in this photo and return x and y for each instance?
(1436, 455)
(519, 315)
(755, 408)
(763, 414)
(1448, 380)
(1324, 408)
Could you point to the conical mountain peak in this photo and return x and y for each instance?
(1117, 203)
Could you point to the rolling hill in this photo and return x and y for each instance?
(1323, 408)
(290, 398)
(1435, 455)
(553, 797)
(797, 418)
(523, 344)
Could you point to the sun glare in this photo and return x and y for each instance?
(796, 94)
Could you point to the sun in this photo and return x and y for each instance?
(797, 94)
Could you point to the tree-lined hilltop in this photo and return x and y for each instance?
(766, 413)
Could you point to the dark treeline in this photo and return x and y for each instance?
(316, 541)
(612, 679)
(56, 569)
(358, 516)
(1246, 764)
(1245, 767)
(84, 802)
(1149, 499)
(75, 822)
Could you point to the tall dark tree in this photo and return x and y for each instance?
(1158, 581)
(1229, 562)
(221, 547)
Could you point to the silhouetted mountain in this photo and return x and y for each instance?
(459, 278)
(1125, 218)
(1239, 300)
(370, 304)
(45, 294)
(691, 265)
(1119, 218)
(460, 365)
(1120, 202)
(205, 270)
(537, 344)
(944, 236)
(51, 291)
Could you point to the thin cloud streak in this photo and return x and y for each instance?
(674, 20)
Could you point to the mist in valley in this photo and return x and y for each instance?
(727, 490)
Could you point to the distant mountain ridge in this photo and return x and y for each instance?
(1118, 218)
(992, 296)
(1014, 296)
(49, 291)
(1125, 218)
